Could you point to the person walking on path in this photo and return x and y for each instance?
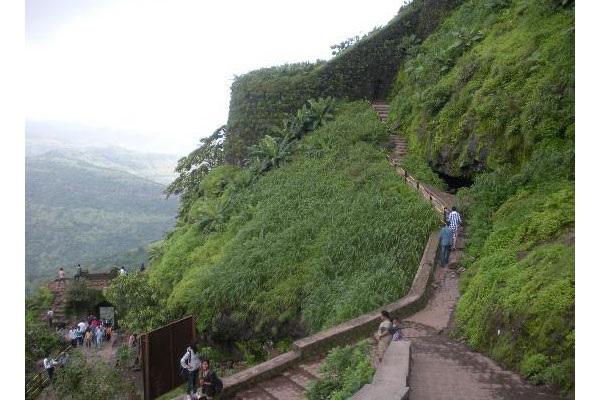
(78, 274)
(50, 315)
(383, 334)
(455, 222)
(190, 362)
(446, 240)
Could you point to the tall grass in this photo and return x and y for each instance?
(332, 234)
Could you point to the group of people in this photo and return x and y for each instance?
(448, 235)
(93, 331)
(200, 378)
(79, 273)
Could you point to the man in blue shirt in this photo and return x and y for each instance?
(445, 243)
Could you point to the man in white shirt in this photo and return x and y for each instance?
(49, 364)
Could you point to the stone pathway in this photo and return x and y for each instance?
(445, 369)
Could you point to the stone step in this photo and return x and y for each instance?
(255, 393)
(290, 385)
(382, 110)
(282, 388)
(300, 376)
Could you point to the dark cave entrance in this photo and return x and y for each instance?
(454, 183)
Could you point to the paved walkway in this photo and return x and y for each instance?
(445, 369)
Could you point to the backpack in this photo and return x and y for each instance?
(183, 372)
(218, 386)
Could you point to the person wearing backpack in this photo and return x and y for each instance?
(210, 383)
(190, 363)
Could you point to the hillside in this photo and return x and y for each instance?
(77, 212)
(308, 226)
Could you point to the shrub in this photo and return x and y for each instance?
(345, 370)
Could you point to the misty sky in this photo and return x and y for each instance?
(156, 75)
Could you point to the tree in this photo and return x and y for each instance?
(195, 166)
(139, 304)
(82, 300)
(338, 48)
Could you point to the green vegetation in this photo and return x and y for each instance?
(490, 96)
(39, 343)
(85, 377)
(294, 249)
(518, 302)
(345, 370)
(288, 226)
(362, 69)
(495, 81)
(81, 300)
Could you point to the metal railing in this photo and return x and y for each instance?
(37, 382)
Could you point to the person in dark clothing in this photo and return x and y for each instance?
(208, 380)
(446, 235)
(78, 274)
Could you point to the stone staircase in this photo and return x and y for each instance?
(400, 143)
(290, 385)
(58, 303)
(400, 149)
(382, 110)
(97, 281)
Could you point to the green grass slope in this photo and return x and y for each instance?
(518, 302)
(495, 81)
(331, 234)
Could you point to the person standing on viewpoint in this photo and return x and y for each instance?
(446, 238)
(455, 222)
(61, 277)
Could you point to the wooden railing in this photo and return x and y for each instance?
(440, 205)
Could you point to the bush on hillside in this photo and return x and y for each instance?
(521, 277)
(345, 370)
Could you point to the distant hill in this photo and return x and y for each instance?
(89, 204)
(153, 166)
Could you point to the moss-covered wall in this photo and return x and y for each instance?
(366, 70)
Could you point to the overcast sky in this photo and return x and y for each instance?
(156, 75)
